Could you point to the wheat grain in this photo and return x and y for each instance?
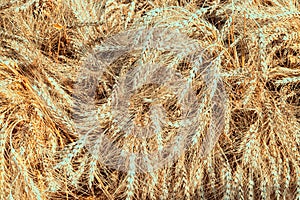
(131, 178)
(238, 183)
(287, 178)
(130, 13)
(297, 195)
(227, 176)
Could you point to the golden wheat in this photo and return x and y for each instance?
(248, 50)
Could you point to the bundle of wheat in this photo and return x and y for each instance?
(149, 99)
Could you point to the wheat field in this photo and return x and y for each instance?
(221, 120)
